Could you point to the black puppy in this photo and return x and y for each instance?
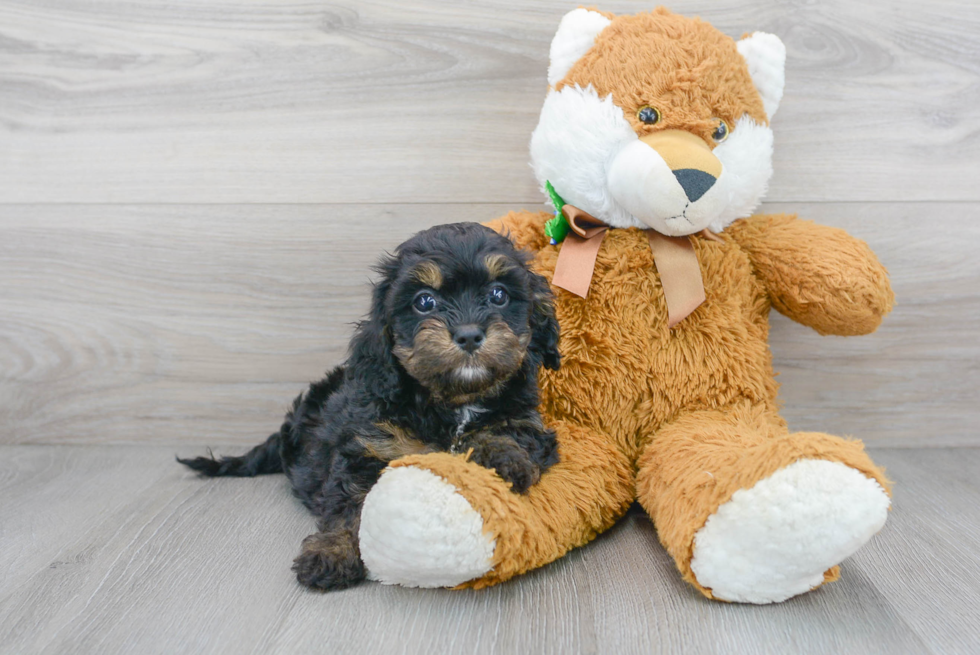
(446, 361)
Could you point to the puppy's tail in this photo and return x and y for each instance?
(264, 458)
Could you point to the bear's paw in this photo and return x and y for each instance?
(418, 531)
(778, 538)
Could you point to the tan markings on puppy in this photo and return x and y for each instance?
(452, 374)
(497, 265)
(503, 351)
(427, 273)
(501, 355)
(393, 443)
(544, 304)
(432, 353)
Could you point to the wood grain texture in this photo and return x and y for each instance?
(198, 324)
(157, 101)
(155, 297)
(925, 564)
(914, 381)
(166, 562)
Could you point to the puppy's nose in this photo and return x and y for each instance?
(468, 337)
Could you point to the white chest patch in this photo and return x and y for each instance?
(465, 416)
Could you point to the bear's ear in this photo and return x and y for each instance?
(766, 56)
(576, 34)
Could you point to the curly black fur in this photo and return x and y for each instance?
(410, 386)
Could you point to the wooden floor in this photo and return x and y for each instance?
(191, 195)
(116, 549)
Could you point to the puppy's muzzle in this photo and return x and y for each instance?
(440, 358)
(468, 337)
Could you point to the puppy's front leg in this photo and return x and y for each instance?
(519, 449)
(504, 455)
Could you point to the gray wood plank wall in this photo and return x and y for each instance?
(191, 194)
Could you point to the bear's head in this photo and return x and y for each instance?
(657, 120)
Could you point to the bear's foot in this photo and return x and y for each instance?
(778, 538)
(418, 531)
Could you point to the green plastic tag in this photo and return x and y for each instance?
(557, 228)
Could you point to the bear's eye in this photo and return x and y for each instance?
(721, 132)
(648, 115)
(498, 296)
(424, 302)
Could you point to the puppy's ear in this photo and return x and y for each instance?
(544, 325)
(371, 360)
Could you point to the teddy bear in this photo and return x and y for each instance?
(654, 146)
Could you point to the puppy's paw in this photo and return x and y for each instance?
(329, 562)
(509, 460)
(519, 471)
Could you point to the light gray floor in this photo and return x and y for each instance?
(112, 549)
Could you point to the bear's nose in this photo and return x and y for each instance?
(468, 337)
(694, 182)
(689, 158)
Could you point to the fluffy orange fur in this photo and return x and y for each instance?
(672, 74)
(680, 418)
(646, 412)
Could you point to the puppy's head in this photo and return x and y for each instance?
(461, 312)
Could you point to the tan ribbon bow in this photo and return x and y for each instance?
(674, 257)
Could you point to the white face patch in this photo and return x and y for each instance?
(746, 156)
(589, 152)
(577, 137)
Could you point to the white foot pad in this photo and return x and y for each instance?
(775, 540)
(417, 531)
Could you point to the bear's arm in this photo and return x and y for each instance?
(816, 275)
(524, 228)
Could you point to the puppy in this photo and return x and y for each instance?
(446, 361)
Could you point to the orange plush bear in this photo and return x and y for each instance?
(655, 147)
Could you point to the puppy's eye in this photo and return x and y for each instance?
(721, 132)
(498, 296)
(424, 303)
(648, 115)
